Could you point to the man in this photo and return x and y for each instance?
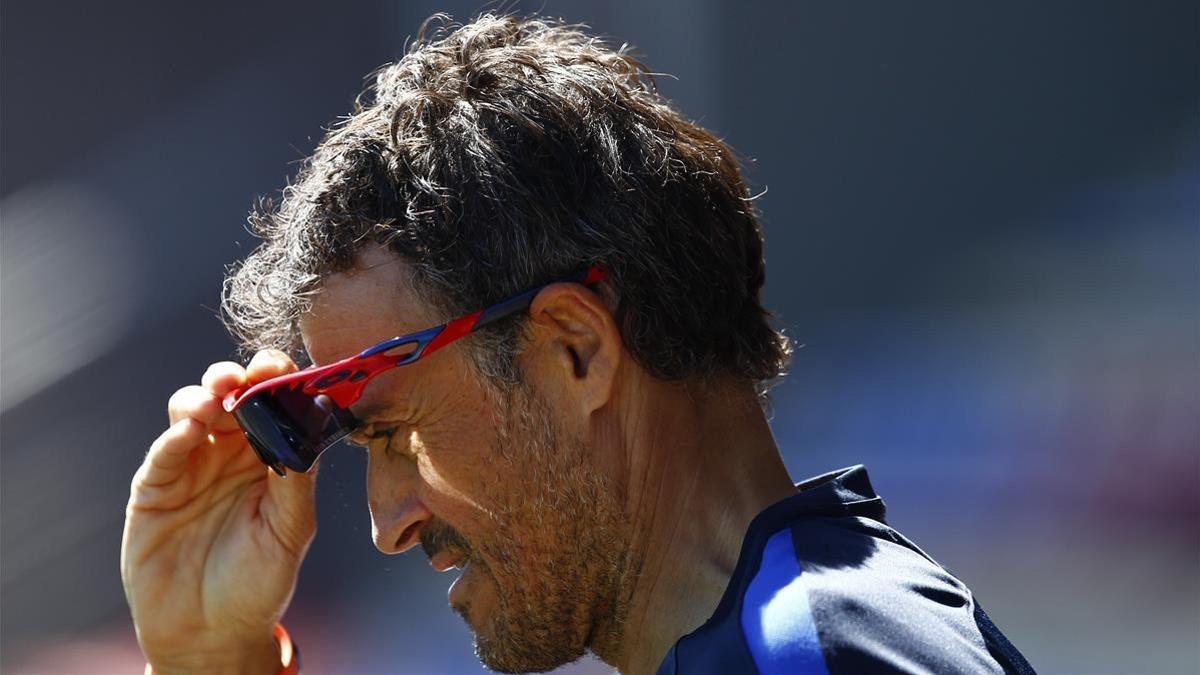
(598, 464)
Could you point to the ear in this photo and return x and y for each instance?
(578, 344)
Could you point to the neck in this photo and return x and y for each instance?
(698, 466)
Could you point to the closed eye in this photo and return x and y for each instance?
(364, 440)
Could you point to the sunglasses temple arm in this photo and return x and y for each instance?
(520, 303)
(507, 308)
(437, 338)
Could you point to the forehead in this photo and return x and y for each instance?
(372, 302)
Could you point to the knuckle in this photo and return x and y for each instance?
(189, 399)
(183, 429)
(139, 477)
(177, 433)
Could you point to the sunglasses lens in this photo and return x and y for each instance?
(290, 429)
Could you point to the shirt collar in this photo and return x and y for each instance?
(842, 493)
(845, 492)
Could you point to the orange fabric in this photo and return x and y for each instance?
(289, 656)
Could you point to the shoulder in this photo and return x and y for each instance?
(836, 595)
(853, 595)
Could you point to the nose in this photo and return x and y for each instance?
(397, 512)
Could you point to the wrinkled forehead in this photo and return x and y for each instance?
(372, 302)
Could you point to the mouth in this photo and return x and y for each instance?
(447, 560)
(457, 594)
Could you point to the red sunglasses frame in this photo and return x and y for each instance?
(343, 381)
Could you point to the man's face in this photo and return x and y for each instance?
(495, 477)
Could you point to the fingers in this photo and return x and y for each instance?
(269, 363)
(168, 454)
(203, 403)
(195, 411)
(223, 377)
(194, 402)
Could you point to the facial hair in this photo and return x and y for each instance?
(557, 553)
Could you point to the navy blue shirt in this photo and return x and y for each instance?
(823, 585)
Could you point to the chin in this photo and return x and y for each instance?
(506, 644)
(507, 658)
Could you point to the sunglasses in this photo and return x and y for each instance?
(290, 420)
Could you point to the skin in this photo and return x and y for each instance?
(598, 507)
(212, 542)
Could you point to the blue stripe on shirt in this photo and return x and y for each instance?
(776, 618)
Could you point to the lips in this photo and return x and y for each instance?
(457, 594)
(446, 560)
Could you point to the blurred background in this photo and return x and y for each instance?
(982, 222)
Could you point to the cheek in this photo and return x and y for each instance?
(457, 467)
(465, 473)
(455, 439)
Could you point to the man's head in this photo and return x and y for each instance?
(491, 158)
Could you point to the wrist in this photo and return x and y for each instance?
(260, 658)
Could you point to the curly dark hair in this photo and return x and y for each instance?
(502, 153)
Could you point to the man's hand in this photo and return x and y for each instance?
(213, 538)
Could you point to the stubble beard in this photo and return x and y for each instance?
(559, 561)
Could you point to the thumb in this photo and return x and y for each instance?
(291, 507)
